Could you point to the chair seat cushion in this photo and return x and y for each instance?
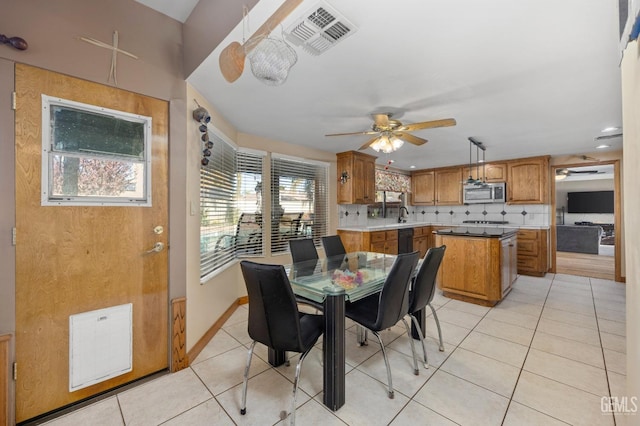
(364, 311)
(311, 328)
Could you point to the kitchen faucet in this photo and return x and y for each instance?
(401, 216)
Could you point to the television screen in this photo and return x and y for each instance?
(590, 202)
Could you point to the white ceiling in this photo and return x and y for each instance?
(526, 78)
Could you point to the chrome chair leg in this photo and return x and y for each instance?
(435, 316)
(361, 334)
(243, 407)
(295, 386)
(413, 348)
(424, 348)
(386, 363)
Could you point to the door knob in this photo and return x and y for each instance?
(157, 247)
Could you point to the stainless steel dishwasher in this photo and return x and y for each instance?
(405, 240)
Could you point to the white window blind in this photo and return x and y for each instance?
(299, 201)
(230, 206)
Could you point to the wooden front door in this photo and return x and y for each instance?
(75, 259)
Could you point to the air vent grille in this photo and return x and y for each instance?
(319, 29)
(321, 17)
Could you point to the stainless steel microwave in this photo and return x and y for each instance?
(484, 193)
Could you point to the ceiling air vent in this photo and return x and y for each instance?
(319, 29)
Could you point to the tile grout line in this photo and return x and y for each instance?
(604, 359)
(527, 355)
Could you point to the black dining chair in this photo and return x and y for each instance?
(304, 255)
(422, 292)
(383, 310)
(334, 251)
(274, 320)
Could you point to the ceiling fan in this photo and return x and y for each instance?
(391, 134)
(563, 173)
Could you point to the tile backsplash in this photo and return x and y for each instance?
(515, 215)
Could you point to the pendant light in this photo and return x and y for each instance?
(479, 146)
(470, 180)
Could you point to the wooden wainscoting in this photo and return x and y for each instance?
(179, 359)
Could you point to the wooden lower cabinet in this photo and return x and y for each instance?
(476, 269)
(384, 242)
(377, 241)
(533, 253)
(422, 239)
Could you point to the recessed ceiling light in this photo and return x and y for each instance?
(609, 129)
(412, 167)
(603, 146)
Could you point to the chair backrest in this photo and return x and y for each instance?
(394, 297)
(303, 249)
(424, 286)
(304, 256)
(333, 245)
(334, 251)
(273, 314)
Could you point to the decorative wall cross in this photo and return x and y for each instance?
(114, 54)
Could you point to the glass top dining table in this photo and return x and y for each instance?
(330, 283)
(357, 274)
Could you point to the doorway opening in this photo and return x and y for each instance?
(585, 228)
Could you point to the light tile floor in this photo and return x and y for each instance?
(546, 355)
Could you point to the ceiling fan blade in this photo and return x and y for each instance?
(353, 133)
(428, 125)
(369, 142)
(381, 120)
(583, 171)
(411, 139)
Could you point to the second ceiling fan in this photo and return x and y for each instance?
(391, 134)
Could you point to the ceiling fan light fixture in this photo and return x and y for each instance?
(561, 177)
(396, 142)
(387, 143)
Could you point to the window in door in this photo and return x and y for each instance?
(93, 155)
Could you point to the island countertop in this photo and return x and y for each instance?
(486, 232)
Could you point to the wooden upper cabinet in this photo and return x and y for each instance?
(360, 187)
(423, 188)
(437, 187)
(528, 181)
(448, 186)
(492, 172)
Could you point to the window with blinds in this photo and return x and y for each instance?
(230, 206)
(299, 201)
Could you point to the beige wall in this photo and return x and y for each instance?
(631, 128)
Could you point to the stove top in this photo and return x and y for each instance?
(487, 222)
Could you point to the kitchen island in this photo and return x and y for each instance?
(479, 265)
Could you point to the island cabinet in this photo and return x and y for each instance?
(422, 239)
(437, 187)
(492, 172)
(476, 269)
(533, 254)
(528, 181)
(359, 184)
(378, 241)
